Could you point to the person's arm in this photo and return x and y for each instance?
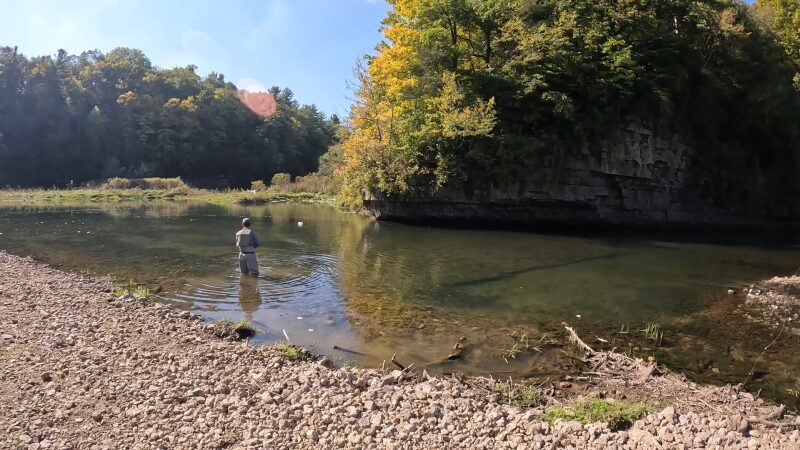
(256, 242)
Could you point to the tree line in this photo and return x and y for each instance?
(68, 119)
(468, 93)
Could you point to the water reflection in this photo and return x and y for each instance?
(249, 297)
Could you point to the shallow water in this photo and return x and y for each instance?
(379, 289)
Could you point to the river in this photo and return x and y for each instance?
(378, 289)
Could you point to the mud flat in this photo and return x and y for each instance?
(82, 368)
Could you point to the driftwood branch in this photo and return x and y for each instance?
(457, 349)
(288, 341)
(573, 337)
(396, 363)
(341, 349)
(777, 413)
(773, 423)
(647, 373)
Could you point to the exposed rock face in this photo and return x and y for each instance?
(638, 178)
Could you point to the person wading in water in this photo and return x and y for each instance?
(247, 241)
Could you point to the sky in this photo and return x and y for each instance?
(309, 46)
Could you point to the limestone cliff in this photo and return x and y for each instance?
(640, 176)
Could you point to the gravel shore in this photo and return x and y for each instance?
(81, 368)
(777, 301)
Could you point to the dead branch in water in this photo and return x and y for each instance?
(396, 363)
(288, 341)
(457, 349)
(341, 349)
(573, 337)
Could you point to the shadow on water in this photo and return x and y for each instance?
(526, 270)
(378, 289)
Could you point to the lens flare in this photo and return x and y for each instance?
(261, 103)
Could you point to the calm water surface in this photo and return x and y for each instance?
(379, 289)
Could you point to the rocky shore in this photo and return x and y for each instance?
(82, 368)
(777, 302)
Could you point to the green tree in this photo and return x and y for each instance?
(470, 94)
(95, 115)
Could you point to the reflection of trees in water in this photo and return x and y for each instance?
(381, 284)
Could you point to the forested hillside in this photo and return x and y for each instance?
(75, 118)
(465, 94)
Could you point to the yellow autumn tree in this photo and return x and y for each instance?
(406, 119)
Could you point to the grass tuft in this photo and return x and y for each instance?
(619, 415)
(243, 329)
(225, 328)
(654, 332)
(290, 351)
(521, 343)
(132, 288)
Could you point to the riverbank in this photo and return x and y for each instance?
(85, 196)
(80, 367)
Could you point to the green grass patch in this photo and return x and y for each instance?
(243, 329)
(312, 188)
(289, 351)
(79, 197)
(263, 197)
(618, 414)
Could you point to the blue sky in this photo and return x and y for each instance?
(310, 46)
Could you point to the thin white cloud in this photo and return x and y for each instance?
(250, 85)
(201, 49)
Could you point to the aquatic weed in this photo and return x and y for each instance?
(654, 332)
(132, 288)
(521, 344)
(511, 353)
